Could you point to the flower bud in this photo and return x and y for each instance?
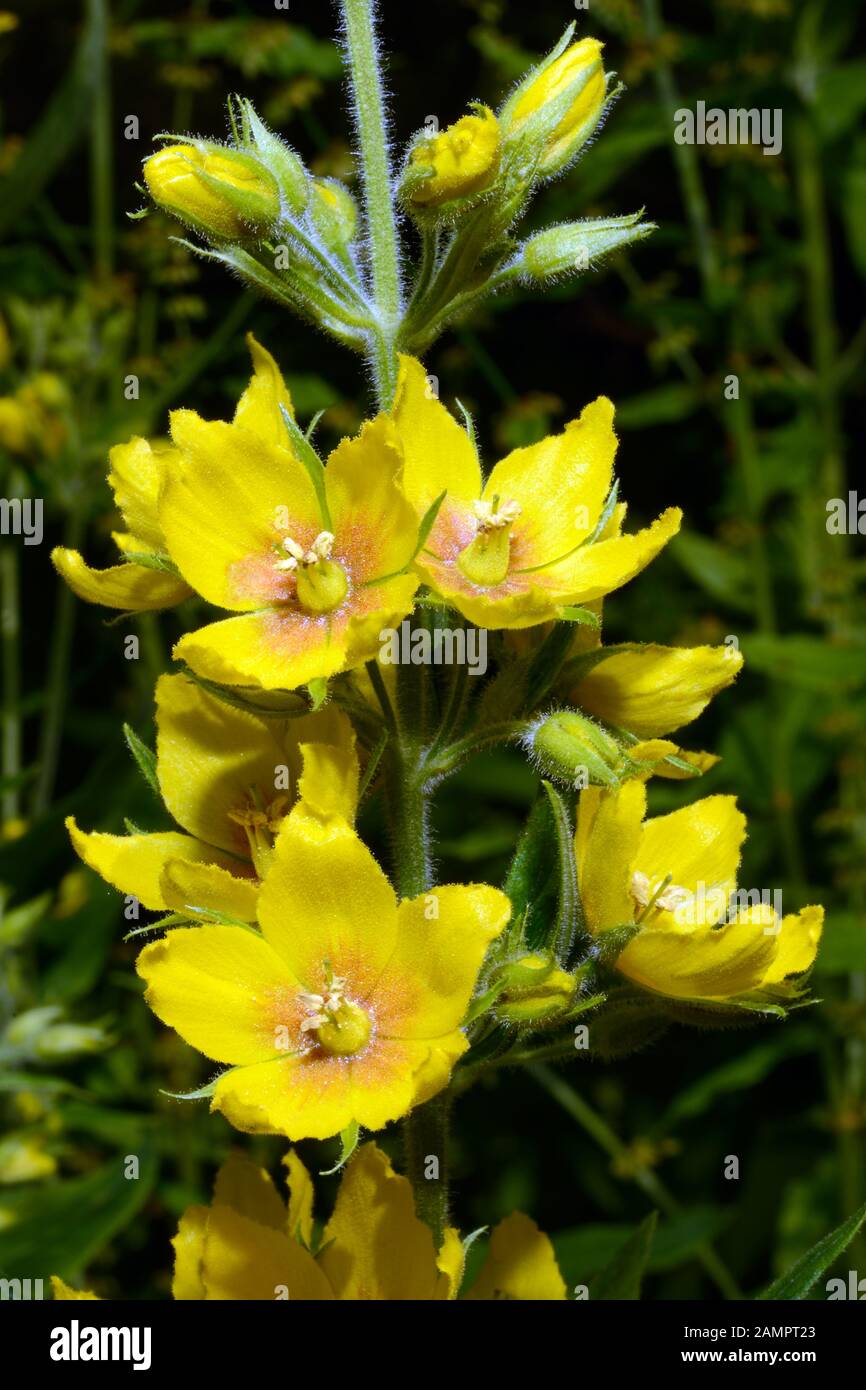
(218, 191)
(334, 211)
(576, 246)
(559, 104)
(571, 748)
(459, 161)
(287, 168)
(536, 989)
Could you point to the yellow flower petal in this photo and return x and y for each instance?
(700, 962)
(221, 511)
(132, 588)
(219, 988)
(249, 1190)
(596, 570)
(137, 470)
(560, 485)
(267, 650)
(606, 841)
(520, 1265)
(245, 1261)
(211, 756)
(258, 409)
(64, 1292)
(438, 453)
(796, 945)
(316, 1098)
(370, 515)
(700, 843)
(134, 863)
(375, 1246)
(324, 877)
(188, 1246)
(442, 938)
(652, 690)
(300, 1221)
(208, 887)
(451, 1261)
(329, 782)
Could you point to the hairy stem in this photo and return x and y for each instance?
(372, 130)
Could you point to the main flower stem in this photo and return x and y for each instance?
(372, 129)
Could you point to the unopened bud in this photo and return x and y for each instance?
(559, 104)
(576, 246)
(458, 162)
(571, 748)
(536, 989)
(220, 192)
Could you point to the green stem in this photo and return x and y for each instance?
(599, 1130)
(685, 157)
(102, 219)
(10, 631)
(378, 193)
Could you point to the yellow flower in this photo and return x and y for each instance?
(649, 691)
(512, 552)
(570, 91)
(64, 1293)
(460, 160)
(138, 471)
(313, 579)
(346, 1006)
(15, 432)
(249, 1245)
(218, 191)
(676, 876)
(229, 779)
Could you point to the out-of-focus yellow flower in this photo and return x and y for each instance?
(218, 191)
(564, 99)
(23, 1159)
(15, 432)
(229, 779)
(138, 471)
(8, 22)
(676, 877)
(72, 894)
(313, 575)
(347, 1007)
(515, 550)
(250, 1245)
(460, 160)
(14, 829)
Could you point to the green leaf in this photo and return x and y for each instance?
(318, 692)
(203, 1092)
(569, 917)
(721, 572)
(531, 878)
(16, 926)
(810, 662)
(428, 521)
(145, 758)
(743, 1072)
(584, 616)
(313, 464)
(59, 1227)
(843, 945)
(621, 1278)
(348, 1144)
(799, 1279)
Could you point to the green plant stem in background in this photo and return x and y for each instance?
(599, 1130)
(51, 733)
(102, 214)
(378, 193)
(10, 635)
